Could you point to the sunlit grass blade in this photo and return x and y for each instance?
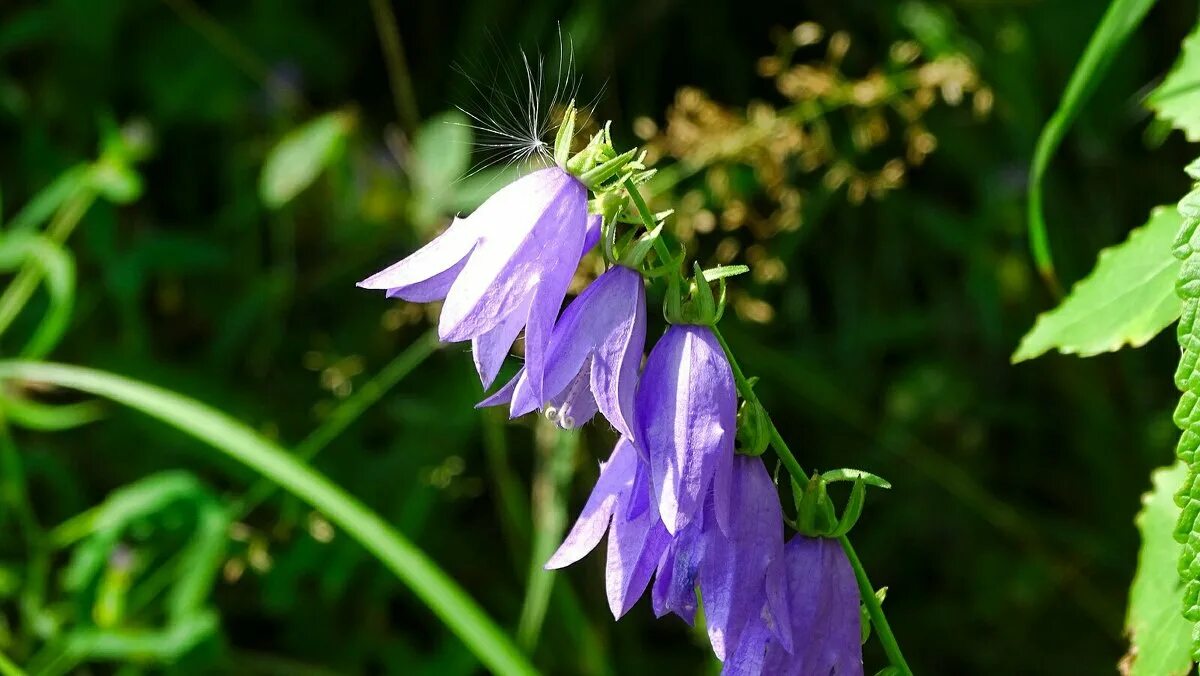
(1119, 21)
(553, 476)
(436, 589)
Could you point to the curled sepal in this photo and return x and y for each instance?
(815, 513)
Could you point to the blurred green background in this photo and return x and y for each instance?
(891, 284)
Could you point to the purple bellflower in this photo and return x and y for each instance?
(686, 413)
(741, 575)
(742, 570)
(504, 268)
(592, 358)
(824, 618)
(620, 504)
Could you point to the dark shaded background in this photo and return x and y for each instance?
(1007, 542)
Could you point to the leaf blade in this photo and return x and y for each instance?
(1128, 298)
(1158, 634)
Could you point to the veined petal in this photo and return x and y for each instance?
(675, 580)
(686, 418)
(619, 354)
(823, 616)
(616, 476)
(634, 549)
(490, 348)
(441, 254)
(531, 230)
(733, 580)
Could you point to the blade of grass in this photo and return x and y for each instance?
(1118, 23)
(433, 586)
(556, 463)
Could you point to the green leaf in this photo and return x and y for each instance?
(1177, 99)
(433, 586)
(1159, 636)
(1127, 298)
(1122, 17)
(301, 155)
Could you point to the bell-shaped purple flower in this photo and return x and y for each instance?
(823, 617)
(593, 357)
(743, 569)
(620, 504)
(504, 268)
(686, 418)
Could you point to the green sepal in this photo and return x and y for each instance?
(562, 140)
(854, 508)
(846, 474)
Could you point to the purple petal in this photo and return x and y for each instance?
(490, 349)
(634, 549)
(686, 413)
(442, 254)
(749, 657)
(575, 405)
(675, 580)
(504, 395)
(619, 355)
(616, 476)
(824, 609)
(434, 288)
(592, 234)
(531, 234)
(733, 580)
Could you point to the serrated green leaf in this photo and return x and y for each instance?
(301, 155)
(1159, 636)
(1126, 300)
(1177, 99)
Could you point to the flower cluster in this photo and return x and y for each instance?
(685, 514)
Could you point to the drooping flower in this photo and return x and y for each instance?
(504, 268)
(823, 618)
(686, 417)
(620, 504)
(743, 569)
(593, 356)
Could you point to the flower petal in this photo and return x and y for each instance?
(675, 580)
(429, 290)
(490, 349)
(733, 579)
(592, 234)
(616, 476)
(532, 230)
(443, 253)
(619, 354)
(686, 418)
(634, 549)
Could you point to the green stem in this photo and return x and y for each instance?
(874, 609)
(7, 668)
(439, 592)
(25, 283)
